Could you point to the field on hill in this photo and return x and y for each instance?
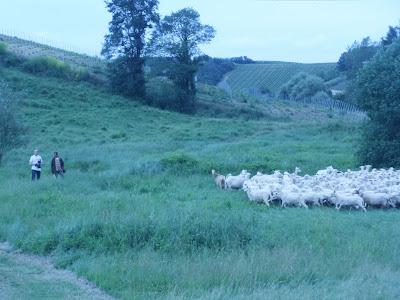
(30, 49)
(139, 215)
(269, 76)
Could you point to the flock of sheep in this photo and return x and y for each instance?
(379, 188)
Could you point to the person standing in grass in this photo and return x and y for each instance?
(36, 165)
(57, 166)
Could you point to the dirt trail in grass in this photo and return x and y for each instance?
(30, 277)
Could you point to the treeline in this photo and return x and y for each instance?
(359, 54)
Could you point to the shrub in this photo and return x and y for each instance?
(47, 65)
(161, 93)
(3, 48)
(302, 86)
(51, 66)
(180, 162)
(320, 96)
(10, 129)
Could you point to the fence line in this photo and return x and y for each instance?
(345, 109)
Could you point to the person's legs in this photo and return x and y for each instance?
(61, 173)
(33, 175)
(38, 175)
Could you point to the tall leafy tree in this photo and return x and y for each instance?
(126, 41)
(179, 36)
(377, 89)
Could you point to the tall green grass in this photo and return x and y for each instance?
(139, 215)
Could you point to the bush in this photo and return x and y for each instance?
(320, 96)
(180, 162)
(47, 65)
(302, 86)
(51, 66)
(3, 48)
(377, 90)
(161, 93)
(10, 129)
(7, 58)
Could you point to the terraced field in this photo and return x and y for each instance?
(268, 75)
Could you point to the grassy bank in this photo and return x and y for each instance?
(139, 215)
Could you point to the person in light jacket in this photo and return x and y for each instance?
(36, 165)
(57, 166)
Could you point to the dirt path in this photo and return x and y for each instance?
(30, 277)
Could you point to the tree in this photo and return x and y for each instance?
(356, 55)
(178, 36)
(391, 36)
(125, 43)
(377, 91)
(10, 130)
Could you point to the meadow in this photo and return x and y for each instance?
(139, 215)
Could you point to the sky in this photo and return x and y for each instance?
(284, 30)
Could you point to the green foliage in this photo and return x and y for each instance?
(179, 36)
(354, 58)
(11, 130)
(161, 93)
(3, 48)
(377, 90)
(213, 70)
(123, 80)
(51, 66)
(302, 86)
(180, 162)
(392, 35)
(7, 58)
(126, 42)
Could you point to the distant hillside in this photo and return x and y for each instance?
(28, 49)
(270, 76)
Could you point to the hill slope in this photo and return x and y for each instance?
(269, 76)
(26, 48)
(139, 215)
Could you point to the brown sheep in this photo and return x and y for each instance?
(219, 180)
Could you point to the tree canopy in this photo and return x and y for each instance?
(126, 42)
(179, 36)
(377, 89)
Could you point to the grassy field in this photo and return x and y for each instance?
(138, 213)
(270, 75)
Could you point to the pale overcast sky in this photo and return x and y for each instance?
(296, 30)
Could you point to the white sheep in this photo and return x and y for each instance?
(349, 200)
(259, 195)
(236, 182)
(290, 198)
(375, 199)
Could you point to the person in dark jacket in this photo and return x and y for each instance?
(57, 166)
